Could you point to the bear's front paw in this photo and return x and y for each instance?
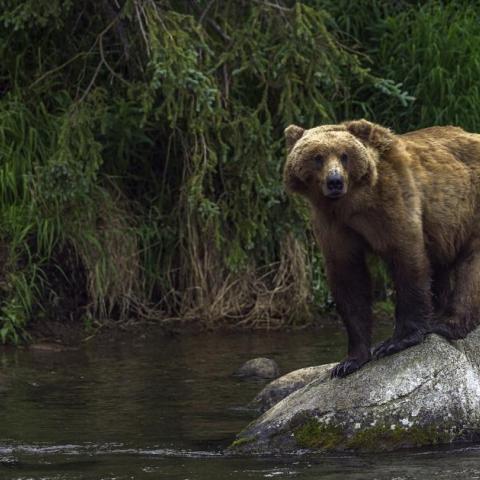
(347, 367)
(394, 345)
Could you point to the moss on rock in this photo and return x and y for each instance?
(318, 436)
(388, 438)
(240, 442)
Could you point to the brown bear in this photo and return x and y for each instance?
(411, 199)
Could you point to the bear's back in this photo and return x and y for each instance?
(444, 163)
(443, 143)
(437, 132)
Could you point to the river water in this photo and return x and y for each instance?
(165, 407)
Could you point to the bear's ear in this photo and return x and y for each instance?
(293, 133)
(371, 134)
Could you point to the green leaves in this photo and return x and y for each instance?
(141, 145)
(27, 14)
(68, 175)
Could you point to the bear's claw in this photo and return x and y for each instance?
(394, 345)
(346, 367)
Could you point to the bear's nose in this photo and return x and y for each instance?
(335, 182)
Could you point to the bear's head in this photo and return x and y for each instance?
(333, 160)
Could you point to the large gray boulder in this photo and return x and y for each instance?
(426, 395)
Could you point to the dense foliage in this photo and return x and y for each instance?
(141, 145)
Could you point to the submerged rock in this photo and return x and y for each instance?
(426, 395)
(259, 368)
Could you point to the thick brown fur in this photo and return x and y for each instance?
(412, 199)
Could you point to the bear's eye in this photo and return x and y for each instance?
(344, 158)
(318, 160)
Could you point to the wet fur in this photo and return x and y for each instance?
(412, 199)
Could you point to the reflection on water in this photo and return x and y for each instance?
(166, 407)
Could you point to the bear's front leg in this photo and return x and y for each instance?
(413, 308)
(350, 284)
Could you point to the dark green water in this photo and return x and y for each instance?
(165, 408)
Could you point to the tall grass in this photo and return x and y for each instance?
(141, 147)
(439, 64)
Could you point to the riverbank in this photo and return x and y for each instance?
(72, 333)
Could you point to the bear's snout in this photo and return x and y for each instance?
(335, 185)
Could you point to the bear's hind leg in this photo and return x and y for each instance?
(441, 290)
(463, 313)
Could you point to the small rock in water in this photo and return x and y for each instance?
(259, 368)
(282, 387)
